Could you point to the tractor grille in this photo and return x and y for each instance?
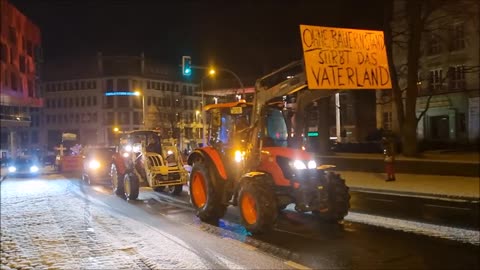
(155, 160)
(169, 177)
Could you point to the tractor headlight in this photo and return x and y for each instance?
(12, 169)
(239, 156)
(33, 169)
(94, 164)
(312, 164)
(299, 165)
(126, 154)
(169, 152)
(128, 148)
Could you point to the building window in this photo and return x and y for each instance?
(457, 37)
(13, 81)
(82, 101)
(434, 46)
(82, 85)
(89, 101)
(387, 121)
(89, 85)
(124, 118)
(110, 118)
(76, 85)
(436, 79)
(94, 101)
(94, 84)
(30, 48)
(70, 86)
(109, 85)
(123, 102)
(21, 63)
(457, 78)
(135, 85)
(77, 102)
(148, 85)
(163, 86)
(122, 85)
(30, 88)
(137, 118)
(12, 35)
(108, 102)
(3, 52)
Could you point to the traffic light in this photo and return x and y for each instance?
(187, 65)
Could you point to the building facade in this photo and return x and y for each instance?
(448, 78)
(96, 97)
(20, 58)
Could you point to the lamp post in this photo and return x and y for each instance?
(139, 93)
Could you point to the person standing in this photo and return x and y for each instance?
(389, 157)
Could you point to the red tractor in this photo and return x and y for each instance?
(249, 161)
(144, 159)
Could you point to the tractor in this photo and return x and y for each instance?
(144, 159)
(250, 162)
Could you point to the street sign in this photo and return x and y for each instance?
(341, 58)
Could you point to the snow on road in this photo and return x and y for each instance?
(46, 225)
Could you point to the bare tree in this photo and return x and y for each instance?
(406, 22)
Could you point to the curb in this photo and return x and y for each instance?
(417, 194)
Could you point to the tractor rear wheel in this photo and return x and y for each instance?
(117, 181)
(338, 202)
(131, 185)
(258, 206)
(206, 193)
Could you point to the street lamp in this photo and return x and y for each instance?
(139, 93)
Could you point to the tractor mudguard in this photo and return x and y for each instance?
(209, 153)
(247, 176)
(119, 163)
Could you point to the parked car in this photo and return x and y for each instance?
(24, 166)
(96, 164)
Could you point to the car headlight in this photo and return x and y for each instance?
(312, 164)
(94, 164)
(12, 169)
(34, 169)
(299, 165)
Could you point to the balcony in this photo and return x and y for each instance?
(8, 120)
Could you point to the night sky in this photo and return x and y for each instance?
(249, 37)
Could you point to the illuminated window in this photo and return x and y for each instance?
(436, 79)
(457, 78)
(434, 46)
(457, 37)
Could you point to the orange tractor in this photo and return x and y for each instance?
(249, 161)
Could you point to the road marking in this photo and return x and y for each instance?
(448, 207)
(296, 265)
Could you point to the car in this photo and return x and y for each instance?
(96, 164)
(24, 166)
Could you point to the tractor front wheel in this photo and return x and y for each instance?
(258, 206)
(204, 195)
(338, 202)
(175, 190)
(131, 186)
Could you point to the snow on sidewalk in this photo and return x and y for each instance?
(455, 186)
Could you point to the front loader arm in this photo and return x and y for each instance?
(284, 81)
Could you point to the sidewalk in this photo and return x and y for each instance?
(428, 185)
(453, 157)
